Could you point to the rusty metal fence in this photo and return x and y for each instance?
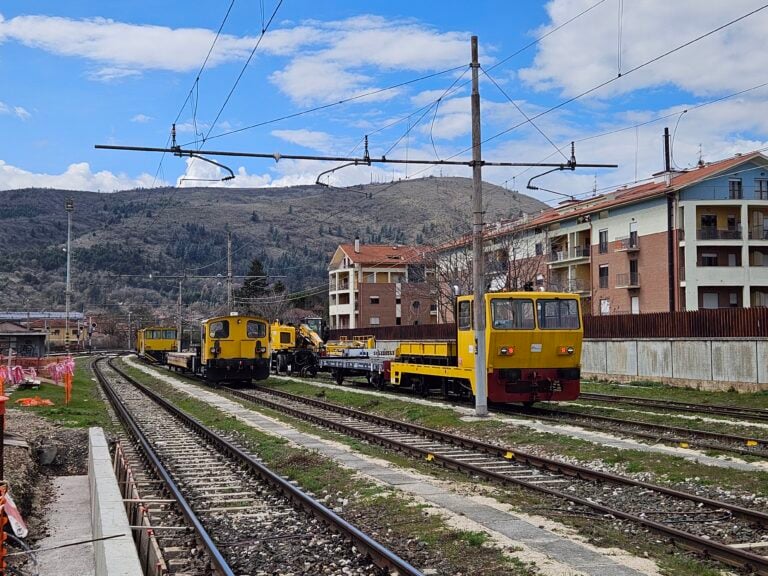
(720, 323)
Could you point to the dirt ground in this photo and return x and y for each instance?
(53, 451)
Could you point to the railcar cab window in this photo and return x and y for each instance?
(254, 329)
(169, 334)
(512, 314)
(219, 329)
(558, 314)
(465, 315)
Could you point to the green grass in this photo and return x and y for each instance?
(645, 389)
(86, 408)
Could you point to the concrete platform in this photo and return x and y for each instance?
(69, 520)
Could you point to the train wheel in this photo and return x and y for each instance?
(529, 403)
(378, 381)
(338, 376)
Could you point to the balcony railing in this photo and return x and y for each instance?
(631, 280)
(681, 274)
(629, 243)
(758, 233)
(572, 254)
(718, 234)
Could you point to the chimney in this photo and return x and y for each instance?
(667, 163)
(357, 244)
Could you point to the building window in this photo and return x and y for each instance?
(603, 237)
(374, 299)
(604, 276)
(605, 306)
(374, 321)
(398, 321)
(733, 299)
(761, 188)
(539, 249)
(708, 259)
(734, 189)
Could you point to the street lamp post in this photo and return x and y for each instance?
(69, 206)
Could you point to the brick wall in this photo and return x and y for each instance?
(652, 266)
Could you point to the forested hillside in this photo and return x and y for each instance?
(119, 239)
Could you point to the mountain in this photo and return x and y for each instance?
(119, 239)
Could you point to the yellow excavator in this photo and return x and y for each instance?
(295, 349)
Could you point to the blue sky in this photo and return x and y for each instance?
(74, 74)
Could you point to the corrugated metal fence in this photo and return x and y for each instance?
(720, 323)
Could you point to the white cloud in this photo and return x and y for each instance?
(125, 50)
(142, 118)
(321, 141)
(584, 53)
(350, 54)
(18, 111)
(76, 177)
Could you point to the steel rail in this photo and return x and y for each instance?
(219, 562)
(716, 550)
(544, 413)
(380, 556)
(722, 409)
(555, 415)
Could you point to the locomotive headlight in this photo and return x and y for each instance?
(565, 350)
(506, 351)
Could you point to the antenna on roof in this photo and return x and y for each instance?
(594, 187)
(700, 163)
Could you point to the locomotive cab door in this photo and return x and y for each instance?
(465, 338)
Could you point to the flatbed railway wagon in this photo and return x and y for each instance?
(154, 342)
(533, 352)
(233, 348)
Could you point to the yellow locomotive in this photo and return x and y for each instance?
(533, 350)
(233, 348)
(532, 345)
(154, 342)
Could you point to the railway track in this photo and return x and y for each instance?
(681, 436)
(669, 405)
(677, 435)
(723, 531)
(250, 520)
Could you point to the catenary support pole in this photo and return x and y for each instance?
(229, 272)
(178, 321)
(478, 275)
(69, 206)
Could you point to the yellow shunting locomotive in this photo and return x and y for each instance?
(154, 342)
(233, 348)
(533, 352)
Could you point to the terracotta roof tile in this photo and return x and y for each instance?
(384, 254)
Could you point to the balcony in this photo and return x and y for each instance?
(718, 234)
(579, 286)
(631, 280)
(566, 256)
(629, 243)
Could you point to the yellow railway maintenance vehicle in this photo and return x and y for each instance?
(154, 342)
(533, 352)
(233, 348)
(295, 349)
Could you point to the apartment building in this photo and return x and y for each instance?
(379, 284)
(684, 240)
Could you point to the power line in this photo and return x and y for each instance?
(242, 71)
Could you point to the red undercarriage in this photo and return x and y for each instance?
(534, 384)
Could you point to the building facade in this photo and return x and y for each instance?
(682, 241)
(379, 285)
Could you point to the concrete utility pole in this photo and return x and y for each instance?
(229, 272)
(129, 330)
(178, 322)
(69, 206)
(478, 261)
